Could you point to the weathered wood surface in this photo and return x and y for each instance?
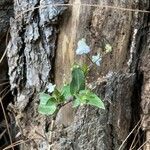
(31, 52)
(123, 30)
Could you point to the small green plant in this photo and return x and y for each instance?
(75, 91)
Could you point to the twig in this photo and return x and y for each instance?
(86, 5)
(51, 134)
(51, 130)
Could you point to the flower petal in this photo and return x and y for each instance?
(97, 59)
(108, 48)
(82, 48)
(51, 87)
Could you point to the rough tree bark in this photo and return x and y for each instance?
(36, 44)
(31, 52)
(145, 71)
(126, 32)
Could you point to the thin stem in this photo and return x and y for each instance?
(90, 59)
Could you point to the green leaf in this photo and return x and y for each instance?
(57, 95)
(82, 97)
(91, 99)
(78, 80)
(76, 103)
(85, 69)
(44, 98)
(65, 91)
(49, 108)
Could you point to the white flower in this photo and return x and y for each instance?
(108, 48)
(82, 48)
(97, 59)
(50, 87)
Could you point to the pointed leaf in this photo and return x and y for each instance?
(78, 80)
(95, 101)
(65, 91)
(76, 103)
(92, 99)
(49, 108)
(44, 98)
(82, 97)
(58, 96)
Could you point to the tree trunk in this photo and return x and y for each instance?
(41, 50)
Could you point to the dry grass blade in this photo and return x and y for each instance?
(6, 117)
(16, 144)
(86, 5)
(129, 135)
(1, 135)
(133, 147)
(3, 55)
(4, 89)
(143, 144)
(4, 83)
(132, 144)
(6, 48)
